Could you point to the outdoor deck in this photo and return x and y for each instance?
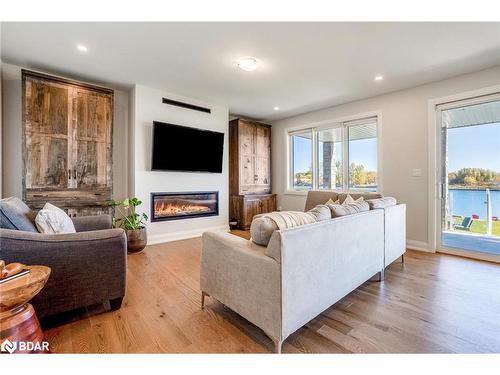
(474, 242)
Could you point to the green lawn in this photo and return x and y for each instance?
(479, 226)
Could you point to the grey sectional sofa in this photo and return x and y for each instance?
(303, 270)
(88, 267)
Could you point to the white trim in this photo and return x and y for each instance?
(433, 166)
(418, 245)
(314, 127)
(182, 235)
(470, 254)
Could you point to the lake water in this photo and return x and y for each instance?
(471, 202)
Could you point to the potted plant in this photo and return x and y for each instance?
(132, 222)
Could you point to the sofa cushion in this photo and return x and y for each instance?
(339, 210)
(52, 220)
(15, 214)
(381, 202)
(321, 212)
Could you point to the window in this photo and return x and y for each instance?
(302, 160)
(363, 156)
(342, 156)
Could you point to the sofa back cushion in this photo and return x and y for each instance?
(15, 214)
(356, 196)
(319, 197)
(339, 210)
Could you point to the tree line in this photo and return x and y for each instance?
(474, 177)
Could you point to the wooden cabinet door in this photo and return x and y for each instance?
(263, 158)
(46, 135)
(252, 207)
(247, 157)
(268, 203)
(92, 134)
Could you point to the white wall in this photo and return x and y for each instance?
(147, 107)
(12, 136)
(404, 144)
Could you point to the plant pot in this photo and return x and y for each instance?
(137, 239)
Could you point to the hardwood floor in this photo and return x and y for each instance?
(430, 304)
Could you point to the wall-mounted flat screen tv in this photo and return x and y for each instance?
(186, 149)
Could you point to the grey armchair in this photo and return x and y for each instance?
(88, 267)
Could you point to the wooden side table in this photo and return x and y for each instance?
(18, 321)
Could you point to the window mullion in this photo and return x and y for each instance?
(314, 167)
(345, 158)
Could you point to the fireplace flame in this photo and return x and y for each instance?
(173, 209)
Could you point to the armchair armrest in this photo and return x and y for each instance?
(89, 223)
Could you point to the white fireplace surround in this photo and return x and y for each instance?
(145, 107)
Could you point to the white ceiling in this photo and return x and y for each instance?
(304, 66)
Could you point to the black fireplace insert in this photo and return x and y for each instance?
(184, 205)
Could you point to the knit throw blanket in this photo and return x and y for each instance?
(290, 219)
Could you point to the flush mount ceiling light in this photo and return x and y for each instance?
(379, 77)
(248, 63)
(276, 108)
(81, 48)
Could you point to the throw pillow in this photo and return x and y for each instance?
(330, 201)
(339, 210)
(16, 215)
(321, 212)
(52, 220)
(261, 229)
(381, 202)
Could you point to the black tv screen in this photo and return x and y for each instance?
(186, 149)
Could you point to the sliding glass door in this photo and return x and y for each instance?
(470, 175)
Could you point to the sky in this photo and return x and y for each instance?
(474, 147)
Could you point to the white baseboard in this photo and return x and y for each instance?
(182, 235)
(418, 245)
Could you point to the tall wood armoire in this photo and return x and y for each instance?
(249, 171)
(67, 144)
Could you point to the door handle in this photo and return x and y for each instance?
(69, 174)
(74, 174)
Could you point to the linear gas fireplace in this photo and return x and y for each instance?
(184, 205)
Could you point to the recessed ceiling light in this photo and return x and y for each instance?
(81, 48)
(379, 78)
(276, 108)
(248, 63)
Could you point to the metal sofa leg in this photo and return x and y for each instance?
(381, 275)
(402, 258)
(203, 295)
(277, 346)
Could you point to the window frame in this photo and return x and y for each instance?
(342, 123)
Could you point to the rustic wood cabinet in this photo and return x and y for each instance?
(67, 144)
(249, 171)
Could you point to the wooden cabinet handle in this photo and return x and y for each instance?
(40, 195)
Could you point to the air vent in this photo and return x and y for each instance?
(186, 105)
